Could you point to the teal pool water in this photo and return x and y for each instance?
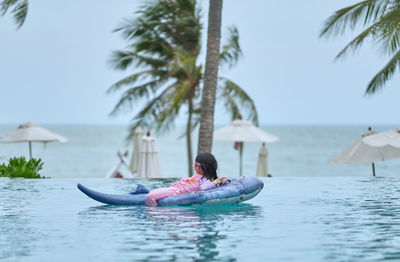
(292, 219)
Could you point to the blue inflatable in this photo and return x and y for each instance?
(238, 190)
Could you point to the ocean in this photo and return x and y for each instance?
(301, 151)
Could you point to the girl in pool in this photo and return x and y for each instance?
(205, 178)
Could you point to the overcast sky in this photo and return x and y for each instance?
(54, 69)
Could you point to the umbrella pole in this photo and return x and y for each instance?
(373, 168)
(241, 158)
(30, 150)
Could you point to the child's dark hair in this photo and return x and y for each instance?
(209, 165)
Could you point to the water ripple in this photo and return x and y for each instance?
(293, 219)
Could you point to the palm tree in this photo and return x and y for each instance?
(19, 9)
(380, 20)
(210, 76)
(164, 44)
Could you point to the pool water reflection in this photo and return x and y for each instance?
(292, 219)
(172, 233)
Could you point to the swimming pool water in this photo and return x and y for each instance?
(292, 219)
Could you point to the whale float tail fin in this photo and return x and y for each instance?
(140, 189)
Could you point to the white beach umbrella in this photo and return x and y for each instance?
(133, 166)
(362, 153)
(31, 132)
(262, 163)
(243, 131)
(149, 164)
(387, 138)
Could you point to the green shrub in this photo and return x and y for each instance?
(19, 167)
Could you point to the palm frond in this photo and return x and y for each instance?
(359, 40)
(389, 33)
(130, 28)
(156, 75)
(153, 114)
(231, 105)
(381, 20)
(385, 30)
(5, 5)
(351, 16)
(19, 10)
(145, 116)
(176, 99)
(135, 93)
(183, 65)
(231, 51)
(383, 75)
(121, 60)
(231, 92)
(155, 46)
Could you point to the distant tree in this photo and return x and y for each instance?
(210, 77)
(18, 8)
(380, 20)
(163, 46)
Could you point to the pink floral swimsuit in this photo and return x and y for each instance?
(184, 185)
(190, 184)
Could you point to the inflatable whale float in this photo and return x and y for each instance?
(238, 190)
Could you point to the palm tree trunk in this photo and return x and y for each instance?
(210, 77)
(189, 138)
